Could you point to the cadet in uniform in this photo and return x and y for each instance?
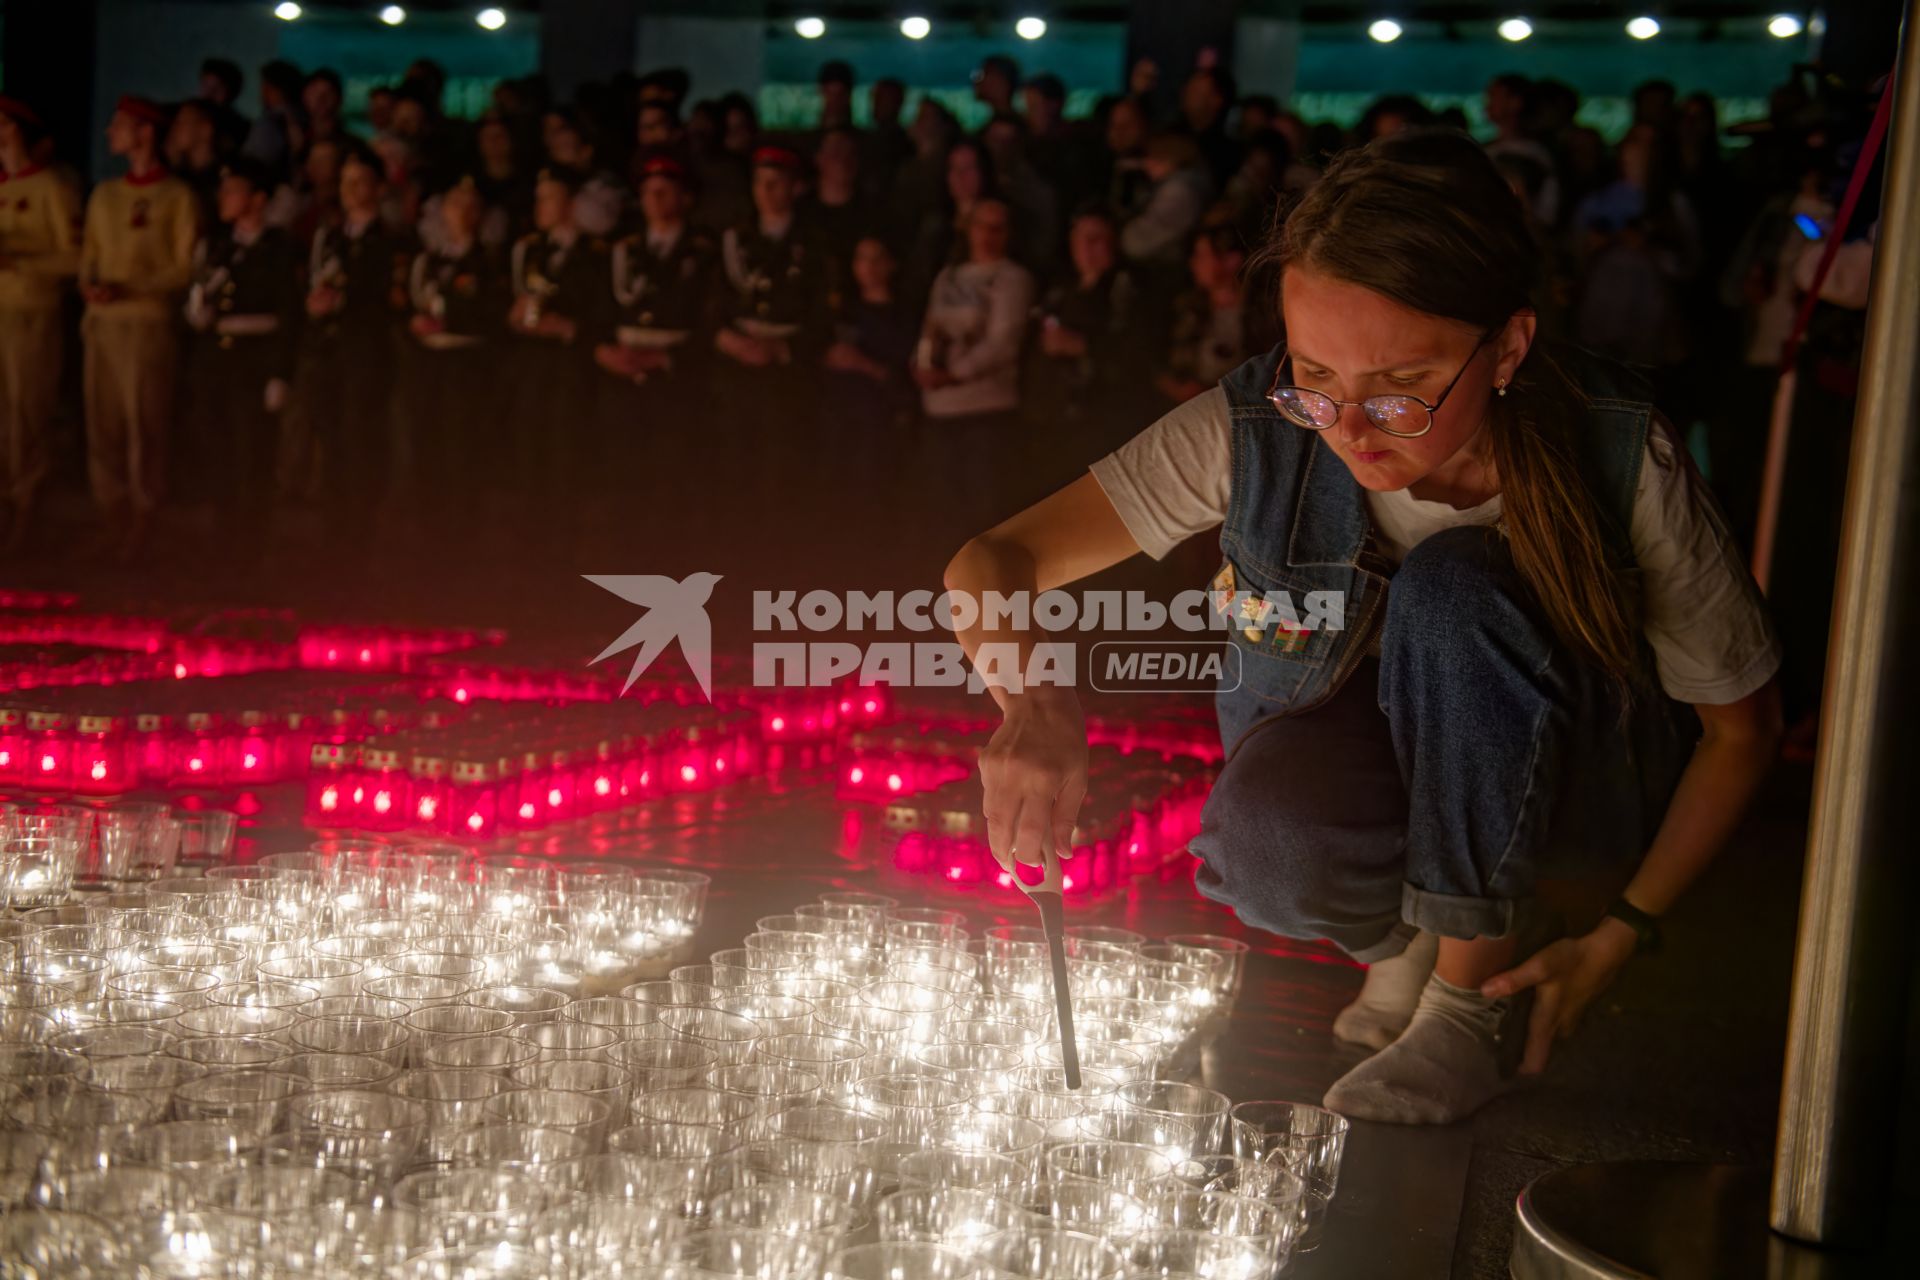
(39, 253)
(136, 256)
(356, 296)
(663, 278)
(242, 308)
(776, 321)
(458, 294)
(559, 313)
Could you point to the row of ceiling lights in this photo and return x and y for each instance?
(1784, 26)
(393, 15)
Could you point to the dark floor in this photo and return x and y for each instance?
(1680, 1062)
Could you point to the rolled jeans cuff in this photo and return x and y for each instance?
(1387, 948)
(1453, 916)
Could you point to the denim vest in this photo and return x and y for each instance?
(1297, 523)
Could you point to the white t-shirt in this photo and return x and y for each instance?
(1711, 640)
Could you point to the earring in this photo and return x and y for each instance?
(1500, 388)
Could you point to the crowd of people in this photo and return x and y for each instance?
(583, 299)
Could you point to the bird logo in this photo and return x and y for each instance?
(675, 610)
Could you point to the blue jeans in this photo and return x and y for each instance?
(1475, 756)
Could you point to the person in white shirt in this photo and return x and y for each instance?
(968, 361)
(1538, 655)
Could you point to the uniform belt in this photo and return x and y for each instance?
(247, 326)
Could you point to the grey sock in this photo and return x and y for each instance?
(1443, 1068)
(1387, 1000)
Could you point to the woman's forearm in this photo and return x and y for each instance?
(1004, 567)
(1733, 757)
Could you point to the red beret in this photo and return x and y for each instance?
(663, 167)
(18, 111)
(145, 110)
(777, 158)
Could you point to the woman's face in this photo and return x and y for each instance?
(965, 181)
(496, 145)
(988, 229)
(1349, 342)
(1126, 127)
(872, 265)
(1091, 244)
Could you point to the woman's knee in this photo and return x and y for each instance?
(1272, 834)
(1459, 592)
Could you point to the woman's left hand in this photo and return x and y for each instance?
(1566, 977)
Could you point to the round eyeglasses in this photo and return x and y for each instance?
(1402, 416)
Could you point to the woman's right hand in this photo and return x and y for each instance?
(1034, 775)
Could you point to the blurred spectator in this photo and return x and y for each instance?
(834, 208)
(1510, 109)
(1390, 114)
(1268, 179)
(968, 359)
(559, 314)
(503, 183)
(306, 202)
(1086, 369)
(380, 100)
(920, 185)
(1156, 236)
(192, 151)
(1638, 240)
(1759, 285)
(1127, 182)
(39, 255)
(776, 320)
(1212, 331)
(242, 310)
(995, 81)
(866, 368)
(356, 292)
(1653, 104)
(459, 297)
(136, 257)
(277, 129)
(1259, 113)
(835, 83)
(969, 180)
(221, 81)
(1205, 99)
(601, 200)
(1056, 149)
(320, 97)
(1036, 210)
(885, 146)
(664, 277)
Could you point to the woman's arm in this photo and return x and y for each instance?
(1736, 750)
(1034, 770)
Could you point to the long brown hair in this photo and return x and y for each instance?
(1424, 218)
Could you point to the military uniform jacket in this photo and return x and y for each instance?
(569, 278)
(368, 270)
(247, 293)
(465, 291)
(670, 289)
(779, 281)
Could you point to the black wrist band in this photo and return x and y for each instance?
(1646, 928)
